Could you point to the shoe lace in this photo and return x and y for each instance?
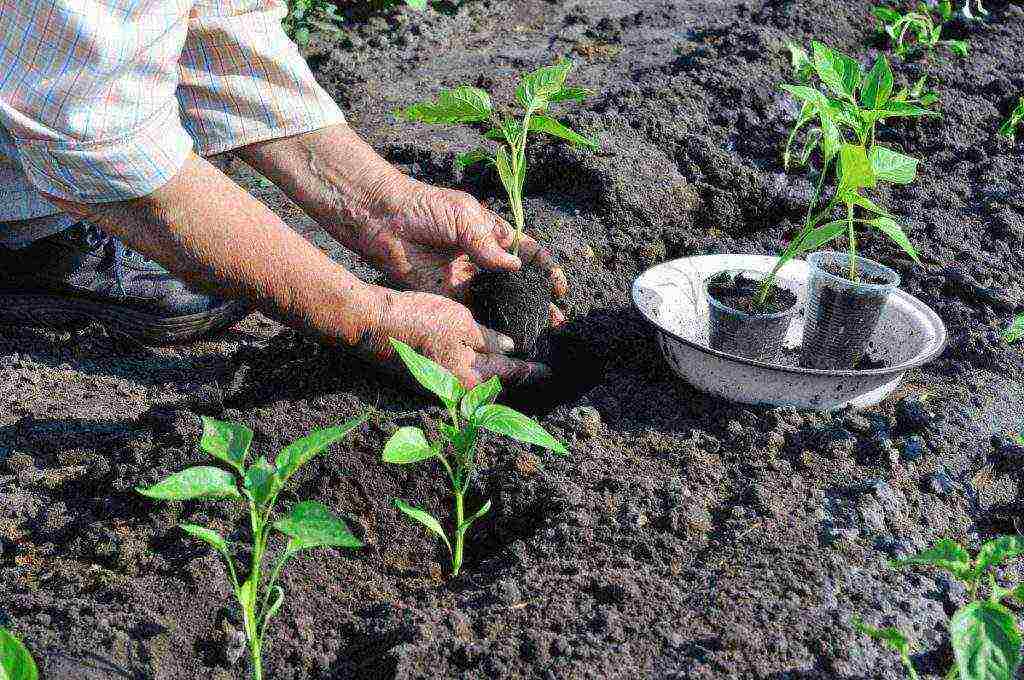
(114, 252)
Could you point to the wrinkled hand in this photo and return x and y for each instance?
(438, 239)
(444, 331)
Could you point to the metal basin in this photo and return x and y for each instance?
(671, 296)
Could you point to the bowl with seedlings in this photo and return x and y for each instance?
(516, 304)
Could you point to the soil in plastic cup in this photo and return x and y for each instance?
(842, 314)
(751, 336)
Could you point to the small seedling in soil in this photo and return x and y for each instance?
(1009, 127)
(513, 304)
(470, 412)
(1016, 330)
(15, 661)
(984, 634)
(306, 15)
(917, 30)
(308, 525)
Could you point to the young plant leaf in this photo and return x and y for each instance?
(503, 420)
(801, 61)
(806, 94)
(946, 554)
(430, 375)
(892, 638)
(192, 483)
(897, 109)
(877, 86)
(407, 445)
(860, 201)
(957, 47)
(567, 94)
(996, 552)
(473, 157)
(311, 525)
(416, 4)
(15, 661)
(484, 509)
(986, 642)
(460, 439)
(855, 169)
(1016, 330)
(463, 104)
(277, 593)
(481, 395)
(260, 481)
(229, 442)
(820, 236)
(886, 15)
(893, 230)
(537, 88)
(424, 518)
(301, 451)
(209, 536)
(555, 129)
(841, 73)
(892, 166)
(504, 165)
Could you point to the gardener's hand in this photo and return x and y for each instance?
(444, 331)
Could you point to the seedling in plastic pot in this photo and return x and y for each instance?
(1009, 127)
(516, 305)
(308, 525)
(472, 412)
(917, 30)
(984, 634)
(15, 661)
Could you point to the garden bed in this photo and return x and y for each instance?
(684, 537)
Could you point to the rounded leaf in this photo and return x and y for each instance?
(209, 536)
(503, 420)
(194, 482)
(432, 376)
(407, 445)
(15, 661)
(424, 518)
(985, 641)
(311, 524)
(228, 442)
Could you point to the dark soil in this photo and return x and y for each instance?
(740, 293)
(515, 304)
(684, 537)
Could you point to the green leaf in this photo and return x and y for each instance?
(893, 230)
(407, 445)
(424, 518)
(996, 552)
(462, 440)
(897, 109)
(476, 515)
(229, 442)
(855, 170)
(877, 86)
(15, 661)
(503, 420)
(484, 393)
(841, 73)
(275, 605)
(946, 554)
(1016, 330)
(505, 171)
(800, 60)
(806, 94)
(194, 482)
(260, 481)
(886, 15)
(985, 641)
(430, 375)
(209, 536)
(416, 4)
(858, 200)
(473, 157)
(555, 129)
(820, 236)
(463, 104)
(301, 451)
(566, 94)
(957, 47)
(537, 88)
(311, 525)
(892, 166)
(247, 592)
(891, 637)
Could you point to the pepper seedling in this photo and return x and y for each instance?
(305, 15)
(1009, 127)
(841, 121)
(15, 661)
(1016, 330)
(471, 412)
(918, 30)
(537, 91)
(308, 525)
(984, 634)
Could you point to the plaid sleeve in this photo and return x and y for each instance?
(242, 80)
(88, 92)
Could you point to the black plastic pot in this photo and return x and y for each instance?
(842, 314)
(745, 334)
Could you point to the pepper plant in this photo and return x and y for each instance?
(305, 15)
(536, 93)
(1009, 127)
(308, 525)
(1016, 330)
(917, 29)
(471, 412)
(984, 634)
(15, 661)
(840, 120)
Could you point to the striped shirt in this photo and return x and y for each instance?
(103, 100)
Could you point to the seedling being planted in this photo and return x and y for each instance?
(15, 661)
(1009, 127)
(983, 633)
(917, 30)
(514, 304)
(839, 119)
(308, 525)
(471, 412)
